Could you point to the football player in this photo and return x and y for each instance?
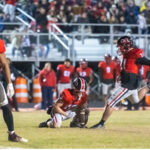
(7, 114)
(85, 72)
(107, 73)
(69, 99)
(64, 74)
(133, 57)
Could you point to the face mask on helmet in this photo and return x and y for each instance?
(124, 44)
(80, 84)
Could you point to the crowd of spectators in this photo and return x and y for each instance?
(88, 11)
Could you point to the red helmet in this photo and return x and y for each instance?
(124, 43)
(83, 63)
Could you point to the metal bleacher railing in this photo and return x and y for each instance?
(78, 43)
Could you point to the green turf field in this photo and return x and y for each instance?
(125, 129)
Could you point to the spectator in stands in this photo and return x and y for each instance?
(131, 12)
(103, 29)
(1, 21)
(142, 23)
(25, 43)
(16, 43)
(44, 4)
(100, 9)
(121, 29)
(92, 15)
(41, 19)
(34, 8)
(113, 11)
(9, 9)
(47, 80)
(69, 14)
(83, 19)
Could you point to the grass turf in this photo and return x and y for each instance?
(124, 129)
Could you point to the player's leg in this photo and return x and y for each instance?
(8, 117)
(60, 88)
(43, 103)
(142, 92)
(119, 94)
(56, 121)
(104, 93)
(49, 96)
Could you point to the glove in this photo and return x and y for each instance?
(13, 77)
(10, 90)
(70, 114)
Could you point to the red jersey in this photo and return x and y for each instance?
(107, 69)
(130, 71)
(47, 78)
(64, 73)
(143, 71)
(84, 72)
(69, 99)
(128, 63)
(2, 46)
(11, 2)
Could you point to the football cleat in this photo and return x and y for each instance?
(43, 125)
(97, 126)
(15, 138)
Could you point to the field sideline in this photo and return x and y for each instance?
(125, 129)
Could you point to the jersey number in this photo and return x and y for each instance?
(66, 73)
(82, 74)
(108, 69)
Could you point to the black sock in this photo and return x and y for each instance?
(8, 117)
(102, 122)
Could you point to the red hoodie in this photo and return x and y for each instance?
(47, 78)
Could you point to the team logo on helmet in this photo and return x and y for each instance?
(80, 84)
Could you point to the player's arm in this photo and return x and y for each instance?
(91, 78)
(5, 67)
(143, 61)
(6, 70)
(58, 108)
(100, 72)
(58, 74)
(115, 75)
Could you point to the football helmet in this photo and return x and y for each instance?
(83, 63)
(124, 44)
(108, 58)
(80, 84)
